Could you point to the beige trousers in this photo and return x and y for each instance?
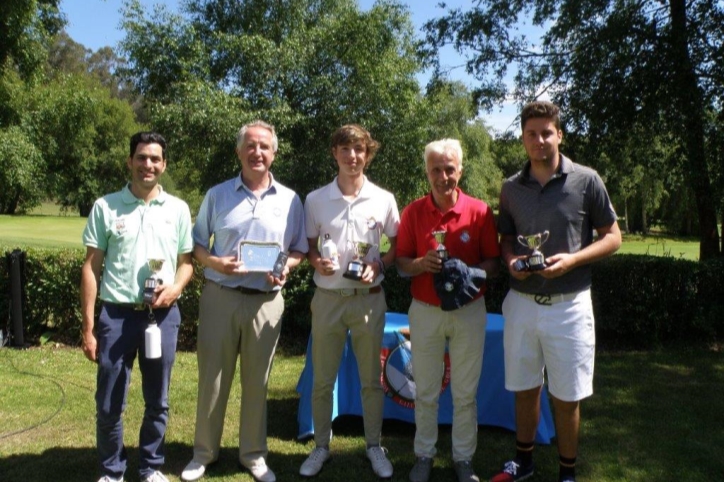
(463, 331)
(333, 316)
(232, 324)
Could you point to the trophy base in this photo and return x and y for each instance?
(536, 262)
(354, 271)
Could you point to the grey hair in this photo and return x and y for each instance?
(257, 123)
(445, 147)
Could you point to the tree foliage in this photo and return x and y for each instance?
(21, 166)
(63, 138)
(624, 71)
(26, 27)
(308, 66)
(83, 135)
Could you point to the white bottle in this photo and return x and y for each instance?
(329, 251)
(153, 341)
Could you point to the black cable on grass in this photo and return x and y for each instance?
(47, 419)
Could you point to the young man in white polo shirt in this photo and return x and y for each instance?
(352, 213)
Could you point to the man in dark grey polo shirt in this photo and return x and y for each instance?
(548, 314)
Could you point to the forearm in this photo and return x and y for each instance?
(491, 267)
(88, 293)
(202, 255)
(314, 256)
(184, 272)
(295, 257)
(506, 249)
(410, 266)
(606, 245)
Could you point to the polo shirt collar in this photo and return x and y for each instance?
(336, 193)
(457, 209)
(564, 167)
(238, 184)
(128, 197)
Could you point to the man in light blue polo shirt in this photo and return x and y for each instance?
(241, 306)
(125, 230)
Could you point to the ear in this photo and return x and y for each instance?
(129, 162)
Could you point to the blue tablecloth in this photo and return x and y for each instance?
(496, 405)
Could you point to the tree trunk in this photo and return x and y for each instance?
(644, 225)
(690, 106)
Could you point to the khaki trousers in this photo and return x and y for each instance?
(333, 316)
(463, 330)
(232, 324)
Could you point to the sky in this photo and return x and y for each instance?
(95, 24)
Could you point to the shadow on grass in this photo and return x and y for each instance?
(658, 414)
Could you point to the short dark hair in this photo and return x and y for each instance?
(148, 138)
(347, 134)
(541, 109)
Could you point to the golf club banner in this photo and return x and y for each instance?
(397, 379)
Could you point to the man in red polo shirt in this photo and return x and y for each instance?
(471, 241)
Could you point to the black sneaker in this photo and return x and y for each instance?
(421, 470)
(464, 471)
(513, 471)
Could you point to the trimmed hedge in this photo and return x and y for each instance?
(639, 301)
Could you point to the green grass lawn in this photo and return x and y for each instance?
(41, 231)
(654, 417)
(661, 245)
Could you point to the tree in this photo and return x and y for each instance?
(83, 135)
(614, 66)
(308, 66)
(66, 56)
(21, 166)
(26, 27)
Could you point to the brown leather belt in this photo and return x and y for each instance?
(246, 291)
(128, 306)
(133, 306)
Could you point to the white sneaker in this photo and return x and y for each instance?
(105, 478)
(261, 472)
(193, 471)
(380, 465)
(156, 476)
(314, 462)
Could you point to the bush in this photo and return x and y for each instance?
(639, 301)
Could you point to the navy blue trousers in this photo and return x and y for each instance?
(120, 334)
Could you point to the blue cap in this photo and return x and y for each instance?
(457, 284)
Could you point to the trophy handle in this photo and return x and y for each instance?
(544, 237)
(522, 241)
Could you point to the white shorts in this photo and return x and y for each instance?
(559, 339)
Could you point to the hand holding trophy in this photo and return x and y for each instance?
(149, 286)
(356, 267)
(535, 261)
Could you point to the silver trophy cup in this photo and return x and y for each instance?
(535, 261)
(441, 249)
(356, 267)
(149, 286)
